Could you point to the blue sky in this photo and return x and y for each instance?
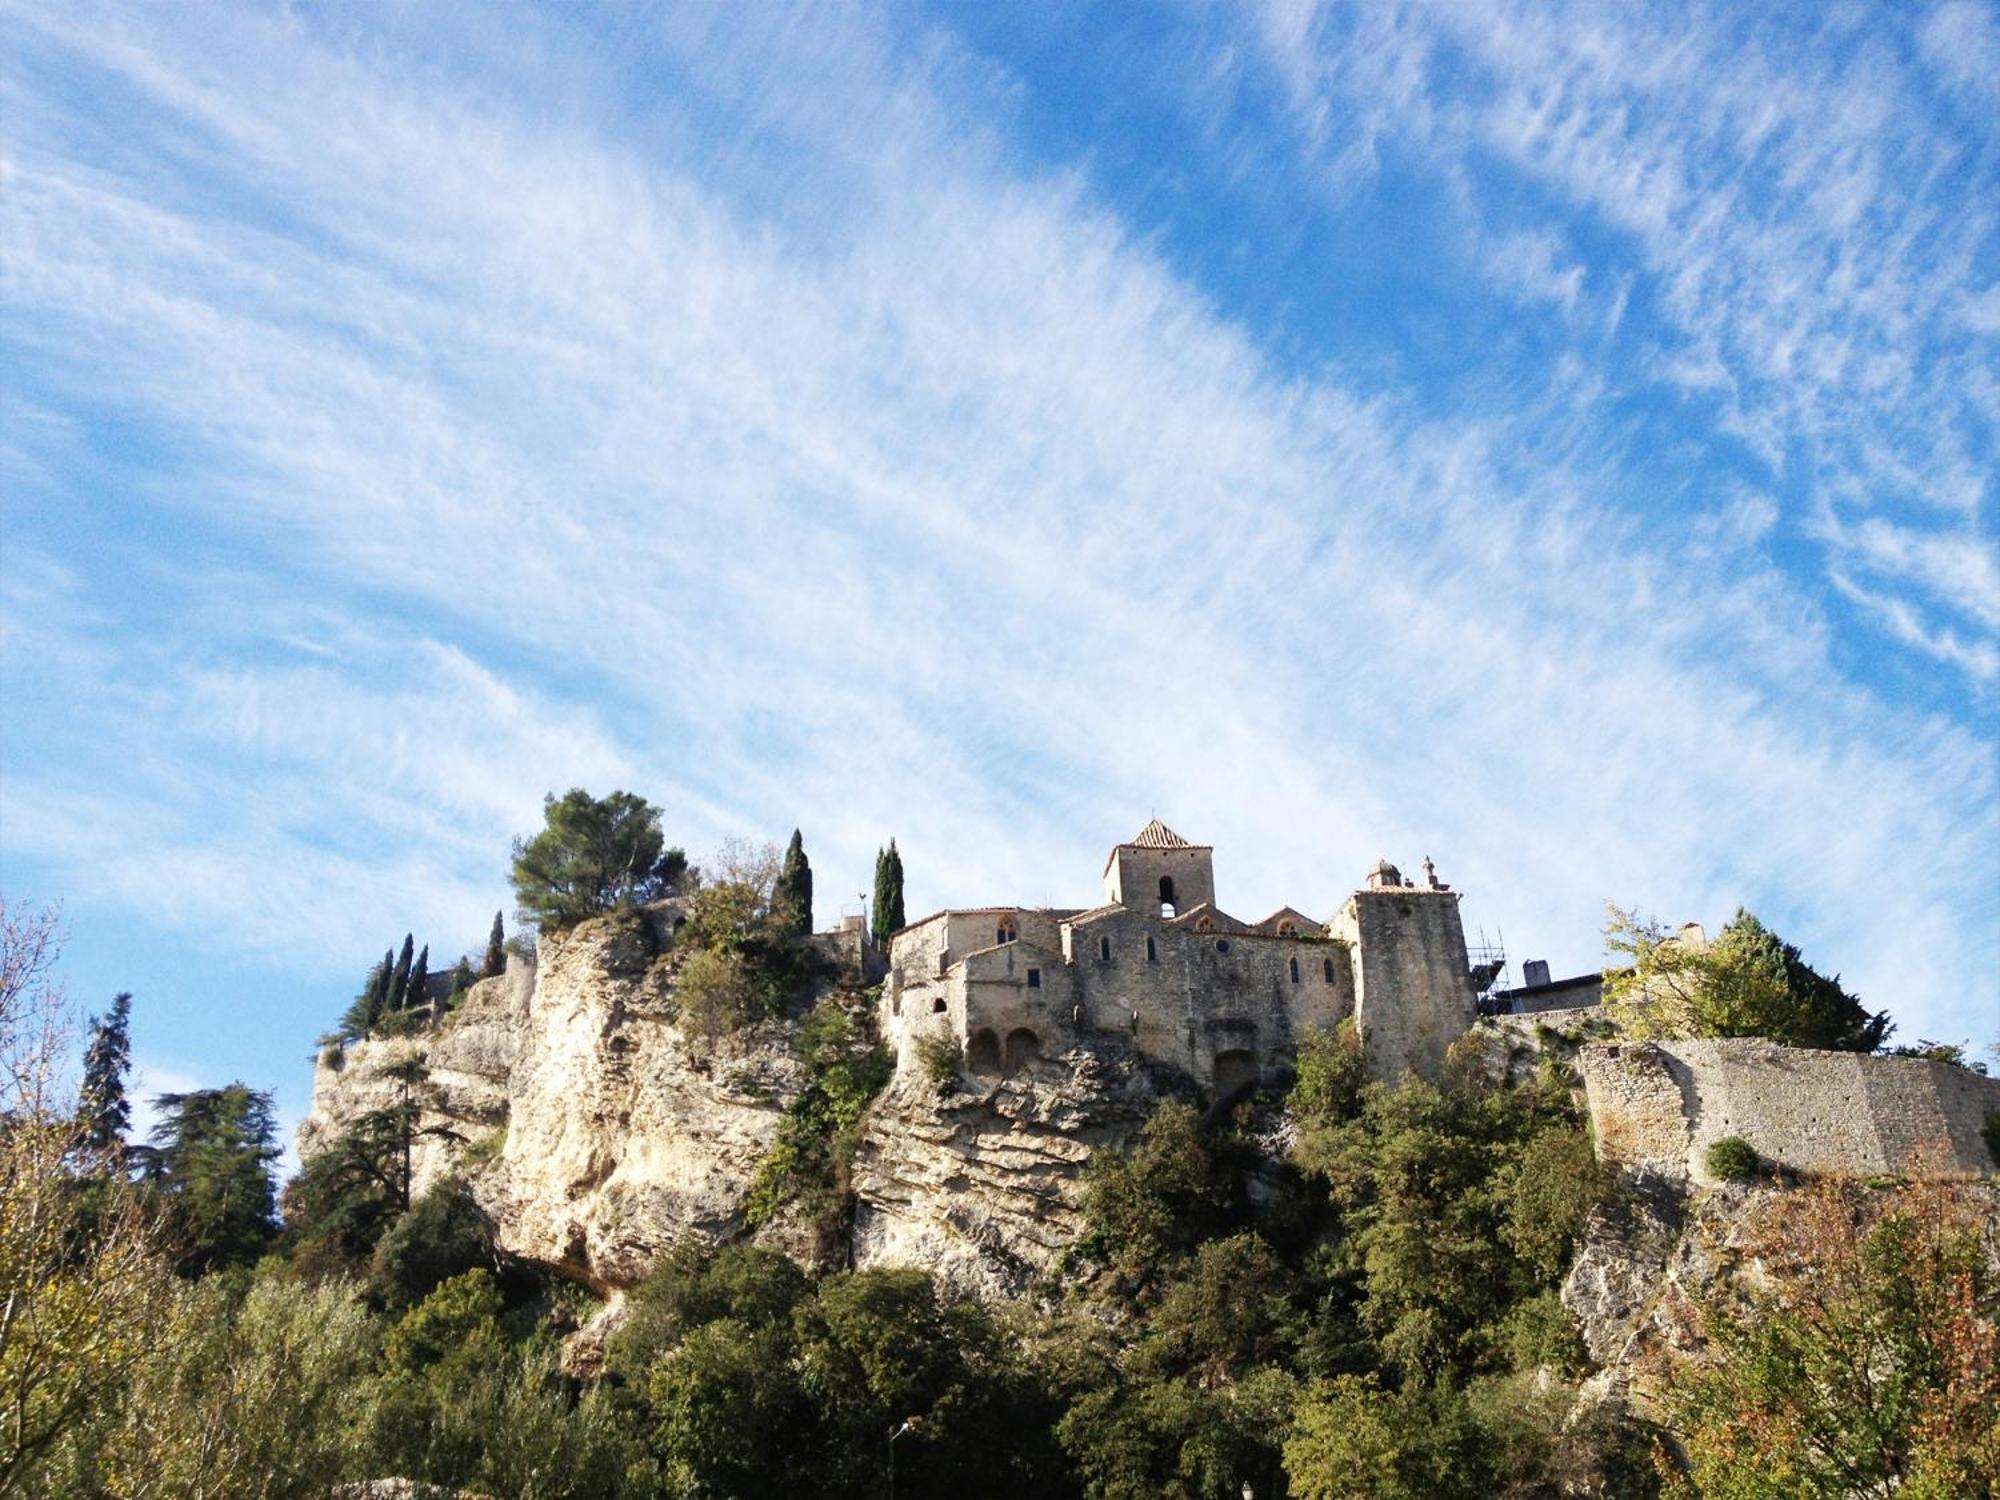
(1558, 439)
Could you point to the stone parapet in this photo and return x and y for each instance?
(1661, 1105)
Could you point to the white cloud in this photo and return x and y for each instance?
(916, 497)
(1806, 216)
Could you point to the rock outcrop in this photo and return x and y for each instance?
(597, 1134)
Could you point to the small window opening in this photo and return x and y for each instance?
(1288, 928)
(1295, 971)
(1327, 964)
(1006, 933)
(1034, 979)
(937, 1007)
(1167, 889)
(1222, 945)
(1167, 909)
(1152, 951)
(1104, 949)
(1204, 925)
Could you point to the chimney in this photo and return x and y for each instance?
(1534, 971)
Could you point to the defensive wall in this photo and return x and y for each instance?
(1661, 1105)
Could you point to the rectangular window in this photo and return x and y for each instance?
(1034, 979)
(1104, 949)
(1152, 951)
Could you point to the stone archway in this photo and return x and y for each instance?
(982, 1053)
(1023, 1048)
(1233, 1070)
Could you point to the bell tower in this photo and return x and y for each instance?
(1158, 869)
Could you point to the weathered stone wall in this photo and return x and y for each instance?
(1661, 1105)
(1413, 988)
(1133, 874)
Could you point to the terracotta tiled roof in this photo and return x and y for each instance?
(1156, 835)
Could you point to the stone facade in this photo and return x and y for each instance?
(1661, 1105)
(1161, 966)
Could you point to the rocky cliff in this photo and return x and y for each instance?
(597, 1133)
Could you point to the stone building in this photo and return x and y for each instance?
(1160, 962)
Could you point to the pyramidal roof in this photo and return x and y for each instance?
(1156, 835)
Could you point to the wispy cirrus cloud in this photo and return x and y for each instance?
(1805, 199)
(739, 424)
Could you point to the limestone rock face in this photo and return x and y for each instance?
(589, 1127)
(597, 1135)
(982, 1185)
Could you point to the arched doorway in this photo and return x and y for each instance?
(982, 1053)
(1023, 1047)
(1233, 1070)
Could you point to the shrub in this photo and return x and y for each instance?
(942, 1059)
(1732, 1159)
(443, 1235)
(715, 994)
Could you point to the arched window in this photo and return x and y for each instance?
(1288, 928)
(937, 1006)
(1327, 964)
(1167, 890)
(982, 1053)
(1204, 925)
(1006, 932)
(1104, 949)
(1152, 951)
(1295, 971)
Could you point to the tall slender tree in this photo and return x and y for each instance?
(896, 917)
(420, 978)
(105, 1112)
(399, 984)
(887, 916)
(496, 951)
(792, 900)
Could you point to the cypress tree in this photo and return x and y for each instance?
(399, 985)
(878, 908)
(420, 974)
(461, 977)
(895, 917)
(105, 1111)
(496, 951)
(383, 979)
(793, 897)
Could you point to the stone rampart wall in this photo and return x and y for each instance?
(1663, 1104)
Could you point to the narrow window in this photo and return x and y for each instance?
(1152, 951)
(1167, 890)
(1006, 933)
(1328, 963)
(937, 1007)
(1034, 979)
(1295, 971)
(1104, 949)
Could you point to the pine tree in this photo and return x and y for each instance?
(496, 951)
(420, 977)
(105, 1111)
(211, 1155)
(399, 985)
(364, 1012)
(793, 898)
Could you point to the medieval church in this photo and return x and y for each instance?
(1160, 961)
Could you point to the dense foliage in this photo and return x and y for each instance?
(592, 855)
(1747, 981)
(1345, 1291)
(886, 915)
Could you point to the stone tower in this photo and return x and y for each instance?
(1413, 994)
(1159, 868)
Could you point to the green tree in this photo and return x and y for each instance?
(211, 1157)
(399, 981)
(495, 962)
(367, 1008)
(1354, 1440)
(461, 981)
(1181, 1440)
(444, 1234)
(793, 898)
(105, 1112)
(1151, 1203)
(419, 982)
(1746, 982)
(887, 916)
(593, 855)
